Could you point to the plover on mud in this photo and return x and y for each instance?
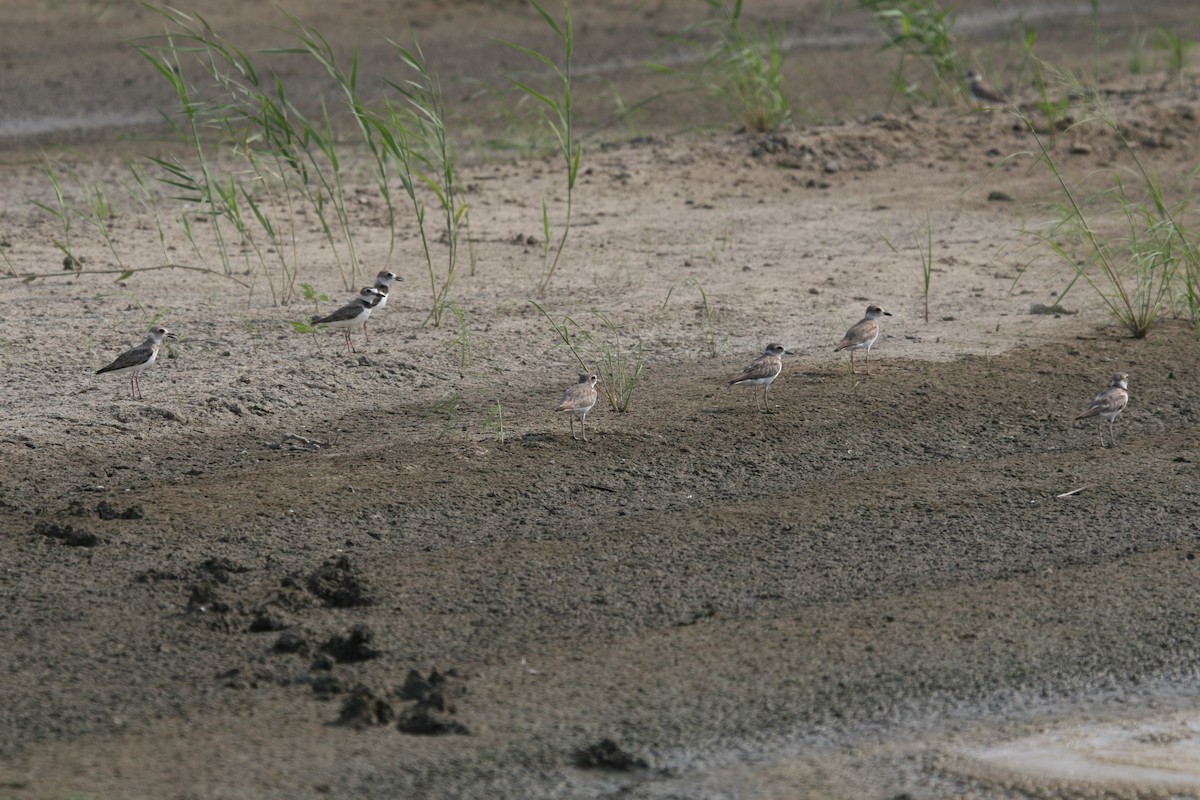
(138, 359)
(762, 371)
(862, 335)
(353, 315)
(1109, 404)
(578, 400)
(383, 284)
(983, 93)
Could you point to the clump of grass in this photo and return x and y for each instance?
(1176, 49)
(281, 158)
(462, 342)
(619, 361)
(921, 29)
(1153, 268)
(742, 66)
(559, 111)
(415, 137)
(1044, 77)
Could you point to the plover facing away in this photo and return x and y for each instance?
(578, 400)
(763, 371)
(983, 93)
(1109, 404)
(862, 335)
(353, 315)
(138, 359)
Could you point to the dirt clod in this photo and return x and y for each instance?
(352, 648)
(363, 708)
(67, 534)
(607, 754)
(106, 511)
(339, 584)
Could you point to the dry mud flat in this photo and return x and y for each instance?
(856, 595)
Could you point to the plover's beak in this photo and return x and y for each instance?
(887, 313)
(172, 335)
(788, 353)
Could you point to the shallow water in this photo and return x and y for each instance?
(1156, 753)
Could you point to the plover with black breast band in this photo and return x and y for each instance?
(353, 315)
(383, 285)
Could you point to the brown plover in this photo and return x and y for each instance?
(578, 400)
(982, 91)
(763, 371)
(1109, 404)
(862, 335)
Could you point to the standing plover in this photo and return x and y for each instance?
(578, 400)
(383, 283)
(762, 371)
(1109, 404)
(863, 335)
(139, 358)
(353, 315)
(982, 91)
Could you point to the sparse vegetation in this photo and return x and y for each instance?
(1154, 267)
(742, 66)
(415, 137)
(921, 29)
(494, 421)
(925, 250)
(560, 116)
(60, 211)
(617, 359)
(708, 317)
(276, 156)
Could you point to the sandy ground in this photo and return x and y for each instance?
(853, 595)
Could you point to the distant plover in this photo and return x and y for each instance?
(762, 371)
(578, 400)
(139, 358)
(1109, 404)
(863, 335)
(353, 315)
(383, 283)
(983, 93)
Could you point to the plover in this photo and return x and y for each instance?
(383, 283)
(1109, 404)
(982, 91)
(353, 315)
(578, 400)
(139, 358)
(863, 335)
(762, 371)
